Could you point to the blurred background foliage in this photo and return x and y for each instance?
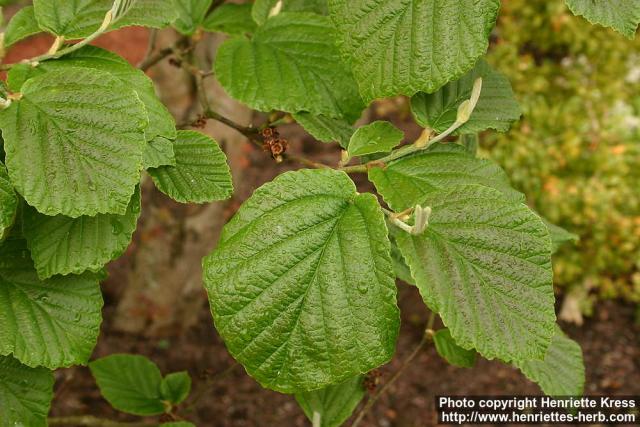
(576, 151)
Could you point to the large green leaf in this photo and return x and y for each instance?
(74, 142)
(403, 182)
(401, 47)
(8, 202)
(80, 18)
(450, 351)
(191, 13)
(377, 137)
(262, 8)
(561, 373)
(333, 404)
(621, 15)
(22, 25)
(290, 64)
(63, 245)
(201, 173)
(25, 394)
(53, 323)
(484, 264)
(130, 383)
(231, 18)
(326, 129)
(158, 152)
(496, 108)
(301, 285)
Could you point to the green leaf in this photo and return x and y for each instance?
(496, 108)
(8, 202)
(401, 47)
(484, 264)
(80, 18)
(452, 352)
(54, 322)
(201, 173)
(25, 394)
(621, 15)
(334, 404)
(191, 13)
(262, 8)
(559, 236)
(63, 245)
(230, 18)
(405, 181)
(301, 285)
(130, 383)
(22, 25)
(176, 387)
(376, 137)
(400, 265)
(74, 142)
(325, 129)
(291, 64)
(561, 373)
(158, 152)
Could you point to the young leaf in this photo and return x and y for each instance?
(25, 394)
(376, 137)
(201, 173)
(80, 18)
(333, 404)
(54, 322)
(291, 64)
(301, 285)
(63, 245)
(22, 25)
(621, 15)
(130, 383)
(405, 181)
(8, 202)
(393, 52)
(325, 129)
(175, 387)
(559, 236)
(452, 352)
(74, 142)
(230, 18)
(191, 13)
(158, 152)
(263, 8)
(561, 373)
(484, 264)
(496, 108)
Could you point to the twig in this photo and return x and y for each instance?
(91, 421)
(152, 60)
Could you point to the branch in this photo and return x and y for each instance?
(91, 421)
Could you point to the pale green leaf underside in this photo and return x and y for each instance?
(22, 25)
(400, 266)
(25, 394)
(80, 18)
(324, 311)
(561, 373)
(130, 383)
(64, 245)
(261, 8)
(484, 264)
(403, 182)
(496, 109)
(401, 47)
(335, 403)
(452, 352)
(74, 142)
(291, 64)
(52, 323)
(621, 15)
(158, 152)
(231, 18)
(191, 13)
(377, 137)
(8, 201)
(325, 129)
(201, 173)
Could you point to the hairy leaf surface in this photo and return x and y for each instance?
(8, 202)
(377, 137)
(450, 351)
(326, 129)
(158, 152)
(334, 404)
(621, 15)
(301, 285)
(401, 47)
(231, 18)
(484, 264)
(22, 25)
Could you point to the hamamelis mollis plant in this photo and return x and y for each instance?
(302, 282)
